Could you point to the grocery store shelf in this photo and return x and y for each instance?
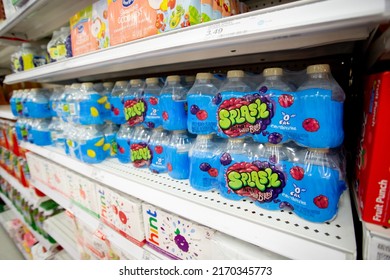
(380, 49)
(305, 24)
(278, 231)
(114, 237)
(5, 112)
(38, 236)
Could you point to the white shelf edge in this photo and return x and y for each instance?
(36, 234)
(5, 113)
(114, 237)
(286, 242)
(303, 25)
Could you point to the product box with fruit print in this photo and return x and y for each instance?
(99, 25)
(80, 30)
(129, 20)
(122, 213)
(174, 14)
(373, 163)
(176, 237)
(85, 195)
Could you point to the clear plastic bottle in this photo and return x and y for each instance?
(91, 144)
(233, 88)
(87, 105)
(72, 139)
(15, 61)
(63, 110)
(321, 106)
(123, 137)
(104, 100)
(204, 163)
(140, 153)
(24, 97)
(62, 43)
(173, 101)
(117, 102)
(110, 147)
(38, 104)
(177, 158)
(134, 106)
(202, 107)
(152, 98)
(15, 103)
(71, 101)
(40, 56)
(20, 129)
(40, 132)
(158, 144)
(52, 46)
(55, 100)
(56, 129)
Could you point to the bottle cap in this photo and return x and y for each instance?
(76, 85)
(318, 68)
(65, 28)
(179, 131)
(272, 145)
(272, 72)
(121, 83)
(204, 76)
(153, 80)
(317, 150)
(135, 82)
(236, 140)
(235, 74)
(204, 136)
(87, 85)
(173, 78)
(108, 85)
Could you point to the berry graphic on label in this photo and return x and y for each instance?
(225, 159)
(286, 100)
(217, 99)
(194, 109)
(115, 209)
(158, 149)
(121, 150)
(153, 100)
(263, 89)
(311, 125)
(165, 116)
(116, 111)
(275, 138)
(204, 166)
(285, 204)
(297, 172)
(180, 241)
(201, 115)
(321, 201)
(213, 172)
(169, 166)
(150, 124)
(122, 217)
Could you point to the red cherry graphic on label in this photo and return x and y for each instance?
(213, 172)
(122, 150)
(158, 149)
(321, 201)
(116, 111)
(311, 125)
(153, 100)
(165, 116)
(115, 209)
(286, 100)
(297, 172)
(122, 217)
(169, 166)
(202, 115)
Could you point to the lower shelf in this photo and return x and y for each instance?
(281, 232)
(8, 251)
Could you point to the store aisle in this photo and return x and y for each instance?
(8, 249)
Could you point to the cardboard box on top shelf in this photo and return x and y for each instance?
(80, 30)
(373, 162)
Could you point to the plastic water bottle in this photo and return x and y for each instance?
(152, 98)
(40, 132)
(201, 103)
(178, 163)
(134, 106)
(123, 137)
(57, 134)
(173, 101)
(158, 144)
(91, 143)
(140, 153)
(20, 129)
(24, 97)
(16, 103)
(110, 147)
(63, 44)
(55, 100)
(40, 56)
(321, 100)
(38, 104)
(117, 102)
(52, 46)
(72, 132)
(204, 163)
(104, 100)
(87, 105)
(63, 110)
(72, 102)
(229, 123)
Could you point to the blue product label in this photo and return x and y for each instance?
(53, 106)
(202, 114)
(117, 110)
(321, 122)
(18, 131)
(65, 112)
(41, 138)
(285, 117)
(134, 110)
(110, 146)
(174, 113)
(158, 162)
(123, 145)
(12, 103)
(88, 111)
(178, 164)
(204, 171)
(140, 154)
(241, 114)
(153, 115)
(105, 108)
(91, 151)
(72, 148)
(38, 110)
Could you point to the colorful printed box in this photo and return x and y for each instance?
(81, 35)
(85, 195)
(99, 25)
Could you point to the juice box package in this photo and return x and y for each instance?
(207, 10)
(176, 237)
(80, 28)
(122, 213)
(217, 9)
(85, 195)
(174, 14)
(99, 25)
(373, 163)
(131, 19)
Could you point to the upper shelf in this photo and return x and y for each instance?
(293, 26)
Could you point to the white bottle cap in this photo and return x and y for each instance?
(151, 80)
(204, 136)
(235, 74)
(135, 82)
(65, 28)
(87, 85)
(204, 76)
(173, 78)
(317, 150)
(121, 83)
(76, 85)
(318, 68)
(272, 72)
(108, 85)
